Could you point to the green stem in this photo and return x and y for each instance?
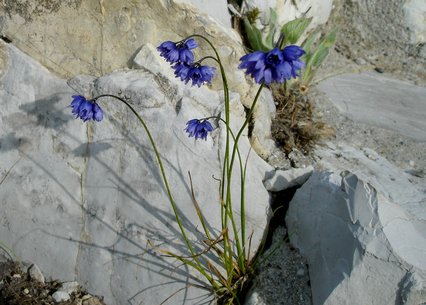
(172, 202)
(248, 118)
(226, 168)
(226, 99)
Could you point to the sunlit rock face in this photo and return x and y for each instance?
(95, 37)
(86, 201)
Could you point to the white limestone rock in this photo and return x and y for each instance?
(288, 10)
(39, 169)
(217, 9)
(414, 288)
(96, 37)
(361, 246)
(85, 201)
(284, 179)
(380, 101)
(35, 273)
(60, 296)
(400, 187)
(261, 139)
(70, 287)
(415, 12)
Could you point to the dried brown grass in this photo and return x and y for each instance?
(295, 125)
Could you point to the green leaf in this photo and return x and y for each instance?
(269, 39)
(318, 57)
(329, 39)
(268, 42)
(273, 18)
(254, 36)
(314, 58)
(307, 43)
(292, 30)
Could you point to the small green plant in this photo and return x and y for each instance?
(229, 272)
(315, 56)
(293, 126)
(316, 48)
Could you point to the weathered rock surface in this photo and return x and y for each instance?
(60, 296)
(86, 201)
(284, 179)
(388, 34)
(261, 138)
(319, 10)
(217, 9)
(35, 273)
(414, 12)
(379, 101)
(76, 37)
(363, 246)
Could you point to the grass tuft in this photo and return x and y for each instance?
(295, 126)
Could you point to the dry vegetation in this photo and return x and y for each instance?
(295, 125)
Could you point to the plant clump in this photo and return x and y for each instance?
(295, 125)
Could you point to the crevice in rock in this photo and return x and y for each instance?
(278, 263)
(5, 39)
(280, 201)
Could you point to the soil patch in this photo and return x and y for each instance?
(17, 287)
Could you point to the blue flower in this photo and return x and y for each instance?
(198, 128)
(292, 52)
(273, 66)
(292, 55)
(85, 109)
(182, 70)
(195, 72)
(175, 52)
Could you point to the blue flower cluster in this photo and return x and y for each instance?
(197, 73)
(198, 128)
(180, 54)
(273, 66)
(85, 109)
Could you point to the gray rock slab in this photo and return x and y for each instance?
(217, 9)
(362, 247)
(86, 202)
(40, 174)
(113, 31)
(286, 11)
(380, 101)
(284, 179)
(60, 296)
(35, 273)
(391, 181)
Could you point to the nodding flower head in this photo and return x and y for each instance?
(198, 128)
(86, 109)
(273, 66)
(197, 73)
(292, 54)
(175, 52)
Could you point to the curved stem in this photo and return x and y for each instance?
(208, 57)
(172, 202)
(226, 166)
